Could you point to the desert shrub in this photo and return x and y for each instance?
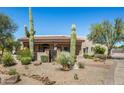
(88, 56)
(0, 60)
(25, 60)
(18, 57)
(99, 49)
(65, 59)
(7, 59)
(44, 58)
(81, 65)
(24, 53)
(12, 71)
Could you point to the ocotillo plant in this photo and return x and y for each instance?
(30, 34)
(73, 43)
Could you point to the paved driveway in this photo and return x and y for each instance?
(118, 55)
(116, 73)
(119, 73)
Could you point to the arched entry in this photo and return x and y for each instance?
(50, 50)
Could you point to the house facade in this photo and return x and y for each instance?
(87, 47)
(51, 45)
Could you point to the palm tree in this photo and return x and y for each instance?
(107, 33)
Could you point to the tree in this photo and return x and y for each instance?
(107, 33)
(7, 28)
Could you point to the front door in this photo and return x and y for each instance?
(52, 55)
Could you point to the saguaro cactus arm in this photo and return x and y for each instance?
(26, 31)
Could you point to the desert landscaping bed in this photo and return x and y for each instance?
(93, 73)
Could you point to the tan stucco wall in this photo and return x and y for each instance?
(90, 44)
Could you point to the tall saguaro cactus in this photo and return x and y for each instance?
(30, 33)
(73, 43)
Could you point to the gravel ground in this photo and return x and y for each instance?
(93, 73)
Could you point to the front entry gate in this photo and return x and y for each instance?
(52, 55)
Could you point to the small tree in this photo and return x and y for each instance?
(7, 28)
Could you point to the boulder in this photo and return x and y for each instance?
(37, 63)
(37, 77)
(9, 79)
(0, 79)
(96, 59)
(76, 76)
(47, 81)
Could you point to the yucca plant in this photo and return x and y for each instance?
(7, 59)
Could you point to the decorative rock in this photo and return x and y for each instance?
(96, 59)
(37, 77)
(47, 81)
(9, 79)
(26, 67)
(0, 80)
(37, 63)
(76, 66)
(76, 76)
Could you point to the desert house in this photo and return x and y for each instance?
(51, 45)
(87, 47)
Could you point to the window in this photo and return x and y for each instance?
(66, 49)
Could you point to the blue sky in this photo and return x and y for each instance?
(58, 20)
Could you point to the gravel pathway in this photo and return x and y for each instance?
(94, 73)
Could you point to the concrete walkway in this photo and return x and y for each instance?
(119, 73)
(116, 74)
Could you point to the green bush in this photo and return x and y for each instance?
(12, 71)
(25, 60)
(87, 56)
(24, 53)
(44, 58)
(65, 59)
(99, 49)
(7, 59)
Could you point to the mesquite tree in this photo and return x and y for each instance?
(107, 33)
(7, 29)
(73, 43)
(30, 34)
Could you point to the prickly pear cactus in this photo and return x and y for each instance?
(73, 43)
(30, 34)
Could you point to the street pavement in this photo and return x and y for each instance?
(116, 74)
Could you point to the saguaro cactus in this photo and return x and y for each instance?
(30, 33)
(73, 43)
